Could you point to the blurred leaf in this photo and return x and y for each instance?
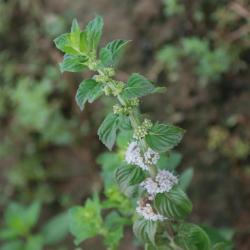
(192, 237)
(86, 222)
(109, 162)
(186, 178)
(21, 219)
(14, 245)
(34, 242)
(220, 237)
(169, 162)
(114, 224)
(56, 229)
(123, 139)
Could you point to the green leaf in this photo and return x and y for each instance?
(75, 35)
(186, 178)
(137, 86)
(170, 161)
(86, 222)
(163, 137)
(192, 237)
(21, 219)
(73, 63)
(94, 32)
(130, 174)
(223, 246)
(63, 43)
(89, 90)
(114, 224)
(108, 130)
(109, 162)
(34, 242)
(160, 90)
(110, 54)
(145, 230)
(174, 204)
(13, 245)
(221, 238)
(56, 229)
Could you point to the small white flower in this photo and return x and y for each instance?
(164, 182)
(151, 157)
(134, 156)
(146, 210)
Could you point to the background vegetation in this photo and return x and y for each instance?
(50, 156)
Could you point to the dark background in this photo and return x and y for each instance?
(48, 148)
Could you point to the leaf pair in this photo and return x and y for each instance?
(78, 45)
(81, 42)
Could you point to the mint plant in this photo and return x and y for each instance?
(156, 203)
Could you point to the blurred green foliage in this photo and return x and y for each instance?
(18, 232)
(211, 55)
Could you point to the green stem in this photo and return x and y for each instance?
(135, 122)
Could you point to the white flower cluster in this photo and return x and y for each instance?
(146, 210)
(164, 181)
(134, 156)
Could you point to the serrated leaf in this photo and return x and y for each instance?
(192, 237)
(73, 63)
(108, 130)
(110, 54)
(86, 222)
(88, 91)
(145, 230)
(163, 137)
(94, 32)
(130, 174)
(174, 204)
(56, 229)
(127, 176)
(63, 43)
(186, 178)
(137, 86)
